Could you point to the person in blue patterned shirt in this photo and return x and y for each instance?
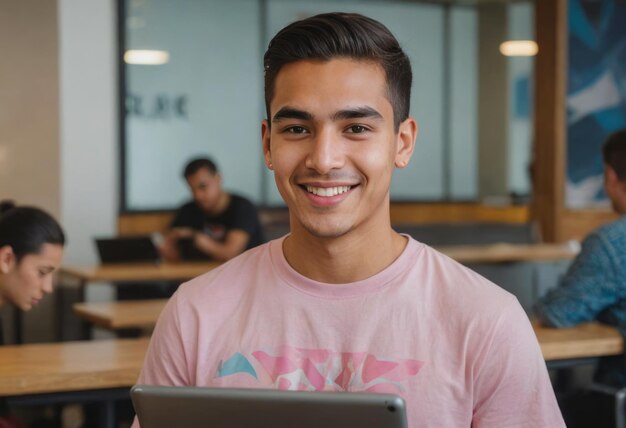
(594, 287)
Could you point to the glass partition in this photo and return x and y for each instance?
(199, 91)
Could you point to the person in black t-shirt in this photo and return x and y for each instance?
(216, 224)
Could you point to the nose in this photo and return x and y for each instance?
(48, 285)
(326, 153)
(197, 194)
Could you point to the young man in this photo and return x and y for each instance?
(217, 224)
(344, 303)
(595, 284)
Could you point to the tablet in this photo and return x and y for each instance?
(194, 407)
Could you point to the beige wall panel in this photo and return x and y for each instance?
(29, 103)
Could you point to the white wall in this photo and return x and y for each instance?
(88, 118)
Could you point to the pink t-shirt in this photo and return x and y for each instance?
(459, 349)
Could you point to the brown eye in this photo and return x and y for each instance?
(357, 129)
(296, 130)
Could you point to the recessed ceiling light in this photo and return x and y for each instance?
(519, 48)
(146, 57)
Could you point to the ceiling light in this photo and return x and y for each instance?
(519, 48)
(146, 57)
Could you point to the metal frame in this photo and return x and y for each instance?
(106, 399)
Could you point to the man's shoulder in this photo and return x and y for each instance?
(614, 230)
(187, 215)
(242, 201)
(459, 286)
(610, 235)
(474, 306)
(189, 205)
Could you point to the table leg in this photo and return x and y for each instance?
(69, 326)
(84, 325)
(101, 401)
(107, 414)
(17, 326)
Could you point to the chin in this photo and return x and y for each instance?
(327, 231)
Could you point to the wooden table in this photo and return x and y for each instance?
(104, 370)
(503, 253)
(70, 372)
(135, 272)
(139, 272)
(583, 341)
(186, 270)
(128, 273)
(141, 314)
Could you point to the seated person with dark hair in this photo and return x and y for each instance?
(594, 287)
(216, 224)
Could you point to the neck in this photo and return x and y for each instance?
(221, 205)
(352, 257)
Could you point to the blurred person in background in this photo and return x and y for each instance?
(594, 287)
(216, 224)
(31, 249)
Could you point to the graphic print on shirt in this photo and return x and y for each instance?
(215, 231)
(291, 368)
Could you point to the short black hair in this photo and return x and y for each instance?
(614, 153)
(197, 164)
(26, 229)
(342, 35)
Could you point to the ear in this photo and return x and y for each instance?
(405, 142)
(611, 180)
(265, 136)
(7, 259)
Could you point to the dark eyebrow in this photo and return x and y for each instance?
(357, 113)
(291, 113)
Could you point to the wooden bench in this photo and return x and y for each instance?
(137, 314)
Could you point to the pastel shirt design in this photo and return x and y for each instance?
(292, 368)
(458, 349)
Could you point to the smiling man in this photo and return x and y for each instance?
(344, 303)
(332, 144)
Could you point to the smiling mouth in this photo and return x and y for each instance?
(327, 191)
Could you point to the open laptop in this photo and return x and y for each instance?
(135, 249)
(191, 407)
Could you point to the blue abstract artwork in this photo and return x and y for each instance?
(596, 93)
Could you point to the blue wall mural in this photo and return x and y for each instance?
(596, 93)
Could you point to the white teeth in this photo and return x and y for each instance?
(327, 191)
